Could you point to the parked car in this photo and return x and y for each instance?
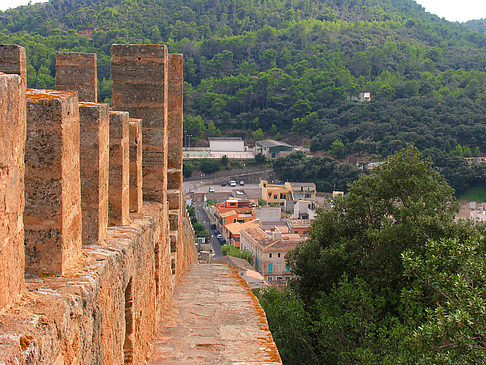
(223, 242)
(232, 183)
(242, 183)
(223, 184)
(213, 226)
(211, 189)
(216, 232)
(219, 236)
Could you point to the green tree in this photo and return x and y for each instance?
(476, 152)
(260, 158)
(209, 166)
(229, 250)
(258, 135)
(289, 323)
(450, 273)
(400, 205)
(337, 149)
(187, 170)
(224, 161)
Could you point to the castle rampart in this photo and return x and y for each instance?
(97, 276)
(87, 267)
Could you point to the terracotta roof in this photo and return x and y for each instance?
(258, 235)
(235, 228)
(286, 243)
(228, 214)
(303, 184)
(295, 223)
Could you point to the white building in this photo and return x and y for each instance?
(226, 144)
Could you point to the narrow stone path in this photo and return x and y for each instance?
(214, 318)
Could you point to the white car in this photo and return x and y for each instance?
(242, 183)
(233, 183)
(211, 189)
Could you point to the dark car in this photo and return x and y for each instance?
(223, 242)
(223, 184)
(213, 226)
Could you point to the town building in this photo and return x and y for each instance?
(299, 226)
(231, 231)
(277, 194)
(478, 159)
(304, 190)
(273, 149)
(226, 144)
(269, 246)
(304, 209)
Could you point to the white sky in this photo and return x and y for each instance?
(453, 10)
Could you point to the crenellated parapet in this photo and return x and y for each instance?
(94, 232)
(87, 258)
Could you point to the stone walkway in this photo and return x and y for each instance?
(214, 318)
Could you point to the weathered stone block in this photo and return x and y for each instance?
(77, 71)
(119, 184)
(135, 164)
(174, 220)
(13, 61)
(12, 168)
(94, 162)
(139, 74)
(52, 215)
(175, 110)
(174, 198)
(174, 178)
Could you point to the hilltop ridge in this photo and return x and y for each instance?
(287, 66)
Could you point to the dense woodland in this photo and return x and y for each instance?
(287, 66)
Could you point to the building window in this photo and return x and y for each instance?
(270, 268)
(287, 278)
(234, 220)
(270, 255)
(296, 232)
(287, 269)
(278, 254)
(270, 279)
(279, 278)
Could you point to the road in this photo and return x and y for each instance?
(217, 188)
(203, 218)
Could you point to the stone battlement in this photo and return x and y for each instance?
(94, 233)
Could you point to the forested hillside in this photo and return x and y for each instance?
(287, 66)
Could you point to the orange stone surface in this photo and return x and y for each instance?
(119, 181)
(52, 215)
(94, 162)
(105, 311)
(77, 71)
(13, 61)
(214, 318)
(12, 148)
(135, 164)
(140, 75)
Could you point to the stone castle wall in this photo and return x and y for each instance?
(100, 264)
